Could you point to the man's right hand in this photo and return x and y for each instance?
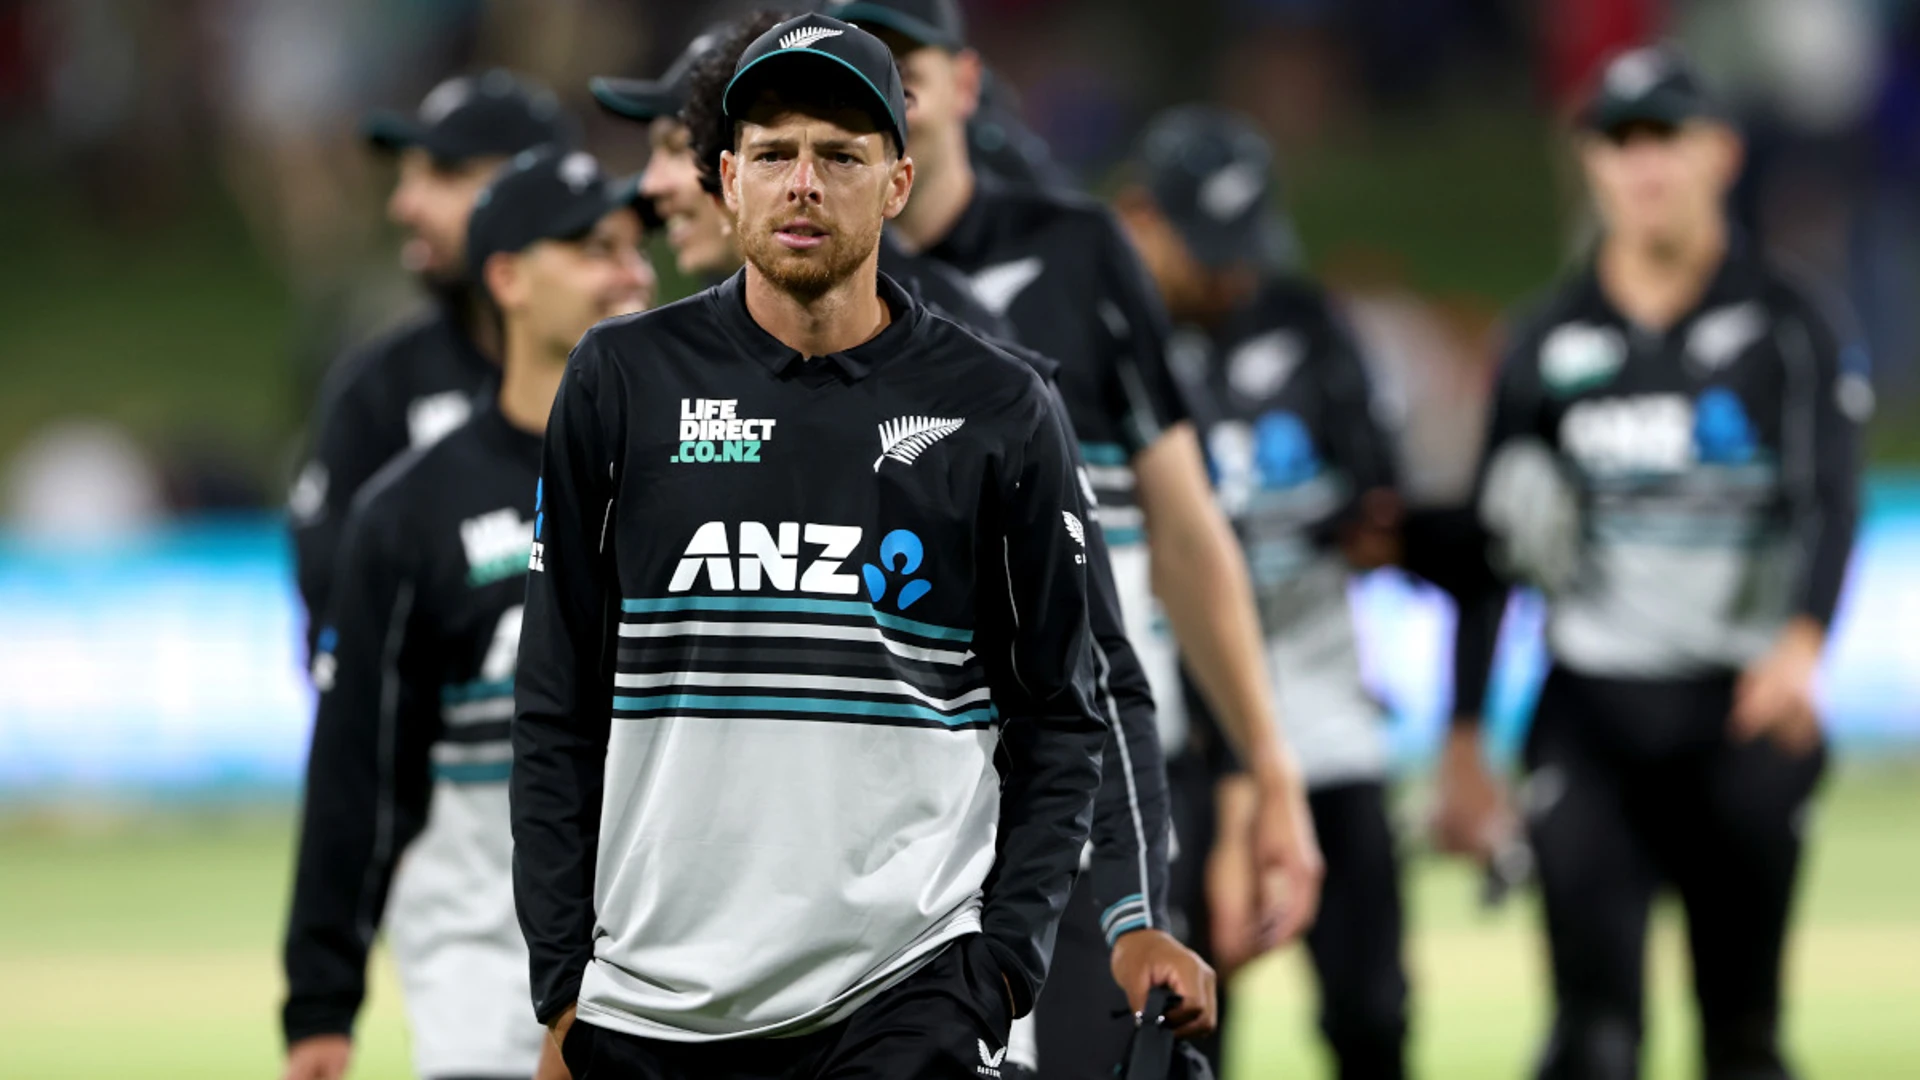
(1472, 817)
(319, 1057)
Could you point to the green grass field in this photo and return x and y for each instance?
(144, 946)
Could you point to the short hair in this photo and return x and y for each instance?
(709, 132)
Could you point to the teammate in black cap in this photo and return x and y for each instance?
(416, 661)
(696, 225)
(1062, 272)
(415, 384)
(1673, 459)
(1302, 465)
(805, 745)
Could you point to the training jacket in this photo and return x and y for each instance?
(1716, 467)
(410, 752)
(786, 616)
(403, 390)
(1286, 416)
(1057, 266)
(1132, 828)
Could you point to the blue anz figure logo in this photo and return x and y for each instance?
(1283, 450)
(539, 506)
(1721, 431)
(900, 553)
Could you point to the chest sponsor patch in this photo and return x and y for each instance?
(1580, 356)
(497, 544)
(712, 430)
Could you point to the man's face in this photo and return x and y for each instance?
(943, 91)
(560, 288)
(1182, 279)
(431, 201)
(697, 228)
(809, 189)
(1654, 182)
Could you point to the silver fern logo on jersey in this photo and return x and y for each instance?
(804, 37)
(905, 438)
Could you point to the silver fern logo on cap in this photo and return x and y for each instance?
(804, 37)
(907, 437)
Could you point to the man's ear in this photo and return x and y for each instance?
(899, 187)
(505, 281)
(729, 172)
(968, 70)
(1730, 152)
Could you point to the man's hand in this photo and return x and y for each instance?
(1233, 884)
(1286, 852)
(1774, 697)
(1371, 539)
(1472, 816)
(319, 1057)
(1144, 959)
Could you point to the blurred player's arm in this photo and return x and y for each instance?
(352, 437)
(1200, 576)
(368, 781)
(1368, 530)
(1826, 401)
(563, 696)
(1043, 679)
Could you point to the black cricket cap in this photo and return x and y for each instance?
(1653, 84)
(1210, 171)
(929, 22)
(808, 52)
(493, 115)
(649, 99)
(545, 194)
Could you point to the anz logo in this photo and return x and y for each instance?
(1658, 433)
(808, 558)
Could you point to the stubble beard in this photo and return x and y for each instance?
(809, 276)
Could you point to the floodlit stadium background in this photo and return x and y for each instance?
(192, 231)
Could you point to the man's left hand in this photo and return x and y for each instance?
(1144, 959)
(1774, 697)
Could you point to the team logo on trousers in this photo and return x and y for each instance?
(990, 1059)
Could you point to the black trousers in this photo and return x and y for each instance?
(1635, 785)
(947, 1021)
(1355, 945)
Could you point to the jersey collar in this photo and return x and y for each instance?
(1741, 275)
(728, 301)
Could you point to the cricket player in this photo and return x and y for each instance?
(1127, 864)
(805, 744)
(406, 801)
(1673, 460)
(411, 386)
(1302, 465)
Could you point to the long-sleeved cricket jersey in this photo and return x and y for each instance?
(804, 687)
(1292, 440)
(1127, 859)
(1715, 467)
(1057, 266)
(407, 780)
(405, 389)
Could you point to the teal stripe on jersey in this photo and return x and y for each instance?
(1121, 536)
(795, 604)
(457, 692)
(753, 703)
(473, 772)
(1101, 453)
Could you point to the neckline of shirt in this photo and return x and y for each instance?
(728, 301)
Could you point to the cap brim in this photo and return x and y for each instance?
(899, 22)
(391, 131)
(637, 99)
(755, 75)
(1667, 109)
(1251, 239)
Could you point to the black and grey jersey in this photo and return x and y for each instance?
(1127, 861)
(804, 685)
(1712, 472)
(410, 752)
(1058, 267)
(405, 389)
(1285, 409)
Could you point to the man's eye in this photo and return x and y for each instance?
(845, 159)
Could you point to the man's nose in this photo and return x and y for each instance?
(804, 185)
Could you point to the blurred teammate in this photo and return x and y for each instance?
(1302, 467)
(417, 383)
(1060, 270)
(416, 667)
(1127, 865)
(805, 746)
(1673, 460)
